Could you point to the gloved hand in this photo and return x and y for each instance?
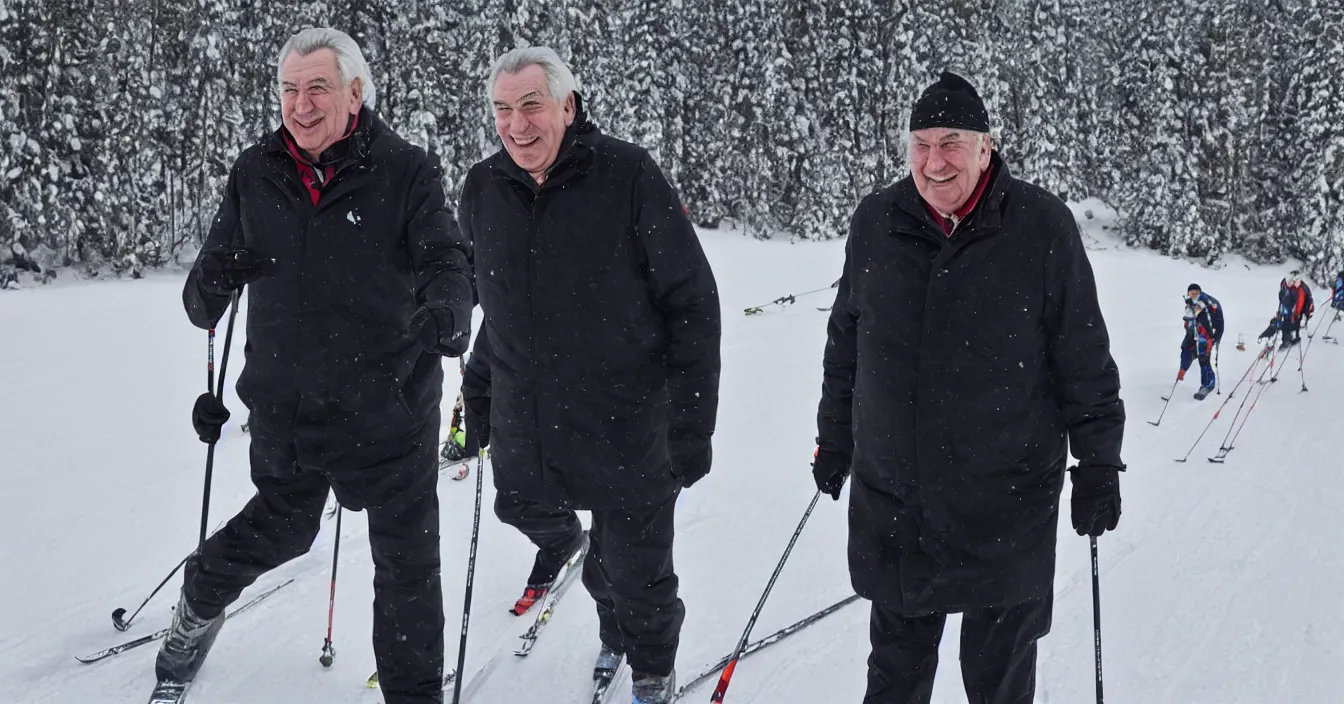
(829, 471)
(208, 416)
(1268, 333)
(1095, 502)
(226, 270)
(692, 455)
(432, 325)
(478, 428)
(1180, 376)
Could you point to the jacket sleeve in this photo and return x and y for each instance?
(839, 362)
(440, 253)
(1086, 378)
(206, 307)
(685, 291)
(476, 377)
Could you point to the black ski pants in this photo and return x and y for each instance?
(628, 572)
(280, 523)
(998, 654)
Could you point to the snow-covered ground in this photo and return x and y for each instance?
(1221, 584)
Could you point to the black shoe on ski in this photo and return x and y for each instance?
(542, 578)
(608, 662)
(653, 689)
(187, 643)
(1203, 393)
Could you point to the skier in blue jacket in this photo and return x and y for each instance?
(1198, 344)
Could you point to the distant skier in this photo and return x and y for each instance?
(555, 531)
(1198, 343)
(1295, 306)
(1195, 294)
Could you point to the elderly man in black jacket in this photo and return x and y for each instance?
(966, 356)
(601, 328)
(358, 284)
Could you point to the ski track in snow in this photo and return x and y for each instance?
(1221, 585)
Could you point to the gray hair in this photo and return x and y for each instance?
(349, 58)
(559, 80)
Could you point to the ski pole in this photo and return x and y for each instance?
(1229, 440)
(791, 298)
(1217, 373)
(329, 651)
(123, 624)
(727, 675)
(1222, 456)
(1226, 401)
(1167, 398)
(1096, 614)
(219, 394)
(1301, 363)
(471, 572)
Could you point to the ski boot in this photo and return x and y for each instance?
(188, 642)
(652, 689)
(604, 670)
(1203, 392)
(541, 580)
(454, 454)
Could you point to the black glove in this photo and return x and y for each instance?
(1096, 499)
(432, 325)
(1268, 333)
(226, 270)
(692, 455)
(829, 470)
(478, 428)
(208, 416)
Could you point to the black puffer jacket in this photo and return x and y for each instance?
(958, 371)
(331, 363)
(602, 322)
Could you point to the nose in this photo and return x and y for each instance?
(936, 161)
(302, 104)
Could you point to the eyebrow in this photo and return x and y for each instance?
(314, 82)
(534, 95)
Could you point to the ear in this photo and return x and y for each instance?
(569, 110)
(986, 146)
(357, 93)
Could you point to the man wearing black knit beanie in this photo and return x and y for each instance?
(966, 358)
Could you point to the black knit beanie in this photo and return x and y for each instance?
(950, 102)
(1194, 287)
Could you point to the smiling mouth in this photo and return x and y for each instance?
(525, 141)
(940, 181)
(308, 125)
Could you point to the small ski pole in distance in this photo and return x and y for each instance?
(727, 676)
(1166, 398)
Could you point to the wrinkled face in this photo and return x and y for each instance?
(947, 165)
(529, 121)
(314, 103)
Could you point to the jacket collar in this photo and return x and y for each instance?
(364, 128)
(986, 214)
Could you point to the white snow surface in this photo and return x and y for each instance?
(1221, 585)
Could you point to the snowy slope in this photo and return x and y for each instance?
(1220, 586)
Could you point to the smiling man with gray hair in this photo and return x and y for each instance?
(358, 284)
(601, 340)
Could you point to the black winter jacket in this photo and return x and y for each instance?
(957, 373)
(330, 362)
(602, 322)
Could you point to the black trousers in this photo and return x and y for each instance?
(998, 654)
(280, 524)
(628, 572)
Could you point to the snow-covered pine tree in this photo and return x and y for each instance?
(1317, 222)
